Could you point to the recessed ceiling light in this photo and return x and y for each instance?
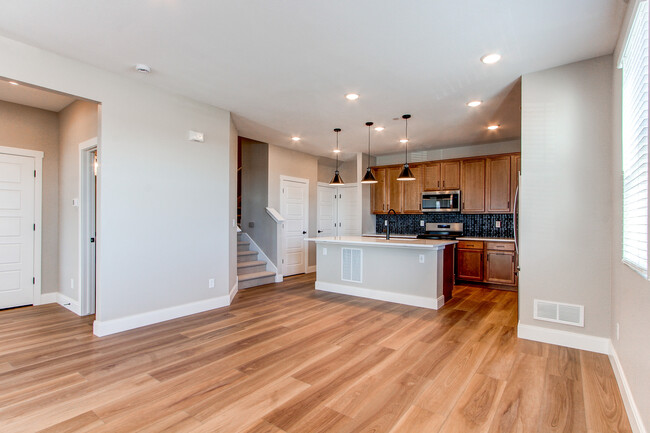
(295, 138)
(474, 103)
(140, 67)
(489, 59)
(379, 128)
(493, 127)
(13, 83)
(337, 151)
(403, 140)
(352, 96)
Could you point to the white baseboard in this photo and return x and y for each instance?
(636, 422)
(107, 327)
(234, 290)
(47, 298)
(398, 298)
(563, 338)
(440, 302)
(69, 303)
(311, 269)
(279, 278)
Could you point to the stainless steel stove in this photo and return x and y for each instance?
(442, 231)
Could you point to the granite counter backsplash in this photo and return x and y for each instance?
(473, 225)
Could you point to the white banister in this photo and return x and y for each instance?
(277, 217)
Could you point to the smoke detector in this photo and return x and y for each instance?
(142, 68)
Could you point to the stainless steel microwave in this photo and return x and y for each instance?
(441, 201)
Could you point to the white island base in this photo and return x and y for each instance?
(417, 272)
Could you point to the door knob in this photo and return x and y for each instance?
(304, 232)
(320, 231)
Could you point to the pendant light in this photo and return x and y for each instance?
(369, 177)
(336, 180)
(406, 173)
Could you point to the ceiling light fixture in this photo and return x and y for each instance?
(142, 68)
(369, 177)
(406, 173)
(352, 96)
(490, 59)
(379, 128)
(295, 138)
(474, 103)
(336, 180)
(493, 127)
(13, 83)
(404, 140)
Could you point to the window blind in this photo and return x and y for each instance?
(635, 143)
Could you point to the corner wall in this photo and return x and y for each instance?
(565, 213)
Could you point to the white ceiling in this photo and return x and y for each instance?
(34, 97)
(282, 67)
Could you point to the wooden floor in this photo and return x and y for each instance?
(284, 358)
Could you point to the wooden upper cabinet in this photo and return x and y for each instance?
(450, 175)
(378, 191)
(473, 185)
(497, 186)
(413, 192)
(431, 177)
(395, 190)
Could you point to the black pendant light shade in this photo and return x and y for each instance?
(369, 177)
(406, 173)
(337, 180)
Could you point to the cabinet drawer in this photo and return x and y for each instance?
(501, 246)
(470, 245)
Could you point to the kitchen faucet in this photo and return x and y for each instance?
(388, 223)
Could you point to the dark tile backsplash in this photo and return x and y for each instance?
(473, 225)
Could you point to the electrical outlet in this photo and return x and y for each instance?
(211, 283)
(386, 223)
(618, 331)
(421, 223)
(421, 258)
(72, 283)
(324, 251)
(498, 224)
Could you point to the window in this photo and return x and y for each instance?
(635, 142)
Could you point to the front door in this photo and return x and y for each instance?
(295, 202)
(16, 231)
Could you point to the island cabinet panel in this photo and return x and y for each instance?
(450, 174)
(378, 191)
(413, 192)
(469, 264)
(500, 267)
(395, 190)
(497, 185)
(431, 177)
(473, 186)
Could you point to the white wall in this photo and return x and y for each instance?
(510, 146)
(34, 129)
(565, 209)
(232, 204)
(78, 122)
(630, 291)
(163, 227)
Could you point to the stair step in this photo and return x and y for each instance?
(255, 276)
(243, 243)
(246, 256)
(251, 267)
(249, 264)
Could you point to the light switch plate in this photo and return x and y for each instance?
(211, 283)
(195, 136)
(421, 258)
(75, 202)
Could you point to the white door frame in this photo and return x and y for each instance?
(306, 246)
(87, 260)
(38, 213)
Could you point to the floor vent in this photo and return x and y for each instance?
(351, 264)
(568, 314)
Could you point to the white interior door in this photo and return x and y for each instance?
(16, 231)
(349, 211)
(295, 206)
(327, 223)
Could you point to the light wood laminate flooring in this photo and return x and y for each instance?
(285, 358)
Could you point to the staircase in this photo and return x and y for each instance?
(251, 272)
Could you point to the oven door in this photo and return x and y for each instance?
(441, 201)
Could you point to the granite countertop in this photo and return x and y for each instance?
(392, 235)
(476, 238)
(462, 238)
(382, 242)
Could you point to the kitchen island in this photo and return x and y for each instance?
(418, 272)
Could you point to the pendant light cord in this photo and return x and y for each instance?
(337, 153)
(406, 151)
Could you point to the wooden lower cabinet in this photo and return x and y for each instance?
(486, 262)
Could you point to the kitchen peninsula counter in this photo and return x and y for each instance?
(416, 272)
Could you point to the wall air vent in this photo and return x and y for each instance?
(351, 269)
(568, 314)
